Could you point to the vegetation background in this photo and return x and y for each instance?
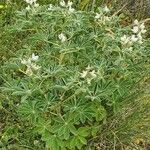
(121, 130)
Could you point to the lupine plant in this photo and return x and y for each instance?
(71, 72)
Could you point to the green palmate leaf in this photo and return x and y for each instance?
(80, 138)
(20, 89)
(75, 143)
(29, 110)
(81, 110)
(99, 111)
(83, 131)
(43, 126)
(64, 127)
(19, 92)
(52, 142)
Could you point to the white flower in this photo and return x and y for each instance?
(88, 74)
(35, 67)
(23, 61)
(36, 5)
(143, 31)
(106, 18)
(50, 7)
(62, 37)
(70, 3)
(136, 22)
(34, 57)
(93, 74)
(130, 49)
(134, 38)
(89, 81)
(88, 68)
(29, 71)
(125, 39)
(140, 41)
(135, 29)
(139, 36)
(28, 8)
(142, 26)
(30, 1)
(30, 65)
(84, 74)
(62, 3)
(26, 62)
(106, 9)
(71, 9)
(97, 16)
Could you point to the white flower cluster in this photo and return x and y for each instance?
(50, 7)
(138, 29)
(89, 74)
(106, 9)
(101, 16)
(30, 65)
(62, 37)
(31, 3)
(67, 5)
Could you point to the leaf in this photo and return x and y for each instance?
(66, 133)
(43, 126)
(73, 143)
(52, 142)
(78, 143)
(23, 98)
(60, 87)
(29, 110)
(83, 131)
(12, 66)
(63, 126)
(99, 111)
(18, 93)
(73, 129)
(83, 140)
